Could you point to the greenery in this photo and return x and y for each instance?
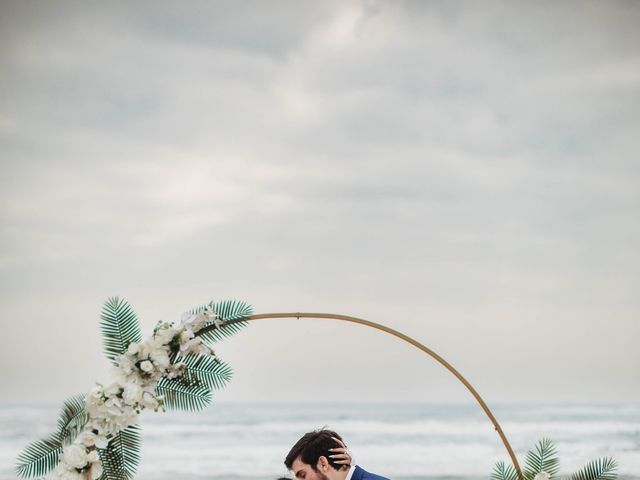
(209, 371)
(39, 457)
(72, 418)
(119, 327)
(121, 458)
(228, 311)
(192, 391)
(544, 458)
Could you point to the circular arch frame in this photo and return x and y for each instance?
(406, 338)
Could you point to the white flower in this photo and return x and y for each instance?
(165, 335)
(113, 407)
(95, 393)
(187, 318)
(146, 366)
(542, 476)
(195, 346)
(160, 357)
(149, 401)
(113, 390)
(126, 364)
(88, 439)
(132, 394)
(145, 349)
(186, 335)
(196, 321)
(176, 370)
(96, 470)
(133, 348)
(75, 455)
(93, 456)
(64, 472)
(102, 442)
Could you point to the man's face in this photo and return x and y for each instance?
(304, 471)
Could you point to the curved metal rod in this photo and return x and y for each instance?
(407, 339)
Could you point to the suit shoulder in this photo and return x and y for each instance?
(362, 474)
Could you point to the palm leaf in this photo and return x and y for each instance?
(72, 418)
(180, 395)
(600, 469)
(40, 457)
(210, 371)
(121, 458)
(119, 327)
(503, 472)
(542, 459)
(227, 310)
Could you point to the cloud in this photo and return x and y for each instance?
(471, 165)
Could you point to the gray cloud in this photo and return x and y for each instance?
(465, 174)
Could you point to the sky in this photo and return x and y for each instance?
(464, 173)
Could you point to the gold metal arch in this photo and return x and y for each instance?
(406, 338)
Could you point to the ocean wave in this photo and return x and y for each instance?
(413, 442)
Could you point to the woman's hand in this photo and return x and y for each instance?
(341, 455)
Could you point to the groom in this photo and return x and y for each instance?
(310, 459)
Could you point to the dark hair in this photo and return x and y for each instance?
(312, 446)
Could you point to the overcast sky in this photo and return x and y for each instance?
(466, 173)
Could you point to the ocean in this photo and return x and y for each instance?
(248, 441)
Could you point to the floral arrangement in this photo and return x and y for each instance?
(542, 463)
(176, 368)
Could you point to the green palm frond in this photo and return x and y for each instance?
(209, 371)
(600, 469)
(227, 310)
(542, 459)
(121, 458)
(72, 418)
(503, 472)
(119, 327)
(179, 395)
(40, 457)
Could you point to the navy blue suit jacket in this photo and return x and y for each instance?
(360, 474)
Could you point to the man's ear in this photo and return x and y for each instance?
(323, 464)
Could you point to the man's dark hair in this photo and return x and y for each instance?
(312, 446)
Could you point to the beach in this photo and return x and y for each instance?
(248, 441)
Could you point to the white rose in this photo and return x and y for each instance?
(96, 409)
(93, 456)
(113, 390)
(114, 407)
(61, 468)
(88, 439)
(165, 335)
(160, 358)
(132, 394)
(146, 366)
(125, 365)
(63, 473)
(542, 476)
(133, 348)
(102, 442)
(145, 349)
(75, 455)
(95, 393)
(186, 335)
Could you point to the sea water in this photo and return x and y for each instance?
(248, 441)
